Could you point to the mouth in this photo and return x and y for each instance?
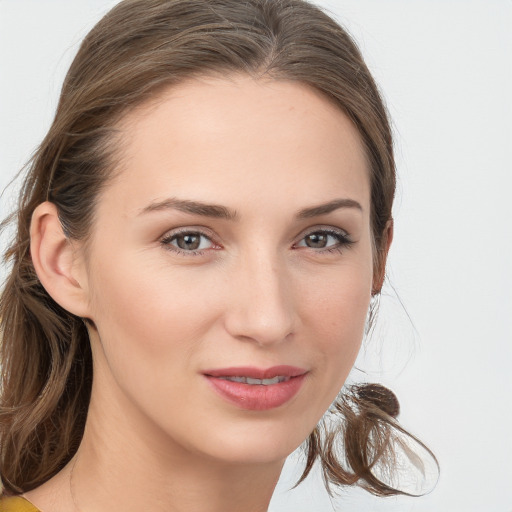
(257, 382)
(257, 389)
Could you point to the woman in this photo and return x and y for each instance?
(199, 240)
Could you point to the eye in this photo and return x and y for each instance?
(325, 240)
(192, 242)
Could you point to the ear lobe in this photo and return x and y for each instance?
(55, 262)
(380, 266)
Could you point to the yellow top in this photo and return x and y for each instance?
(16, 504)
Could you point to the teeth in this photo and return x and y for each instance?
(260, 382)
(236, 379)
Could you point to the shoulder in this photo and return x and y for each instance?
(16, 504)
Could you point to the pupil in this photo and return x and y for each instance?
(188, 242)
(316, 240)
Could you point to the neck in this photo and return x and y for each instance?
(156, 472)
(125, 480)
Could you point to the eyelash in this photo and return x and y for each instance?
(168, 239)
(343, 241)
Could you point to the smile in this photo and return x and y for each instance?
(256, 389)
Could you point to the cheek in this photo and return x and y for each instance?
(153, 321)
(144, 304)
(340, 328)
(336, 315)
(150, 329)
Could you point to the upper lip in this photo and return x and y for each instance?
(256, 373)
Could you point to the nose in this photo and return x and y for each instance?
(262, 302)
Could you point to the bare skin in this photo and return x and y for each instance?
(270, 282)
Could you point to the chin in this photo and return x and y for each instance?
(256, 453)
(262, 442)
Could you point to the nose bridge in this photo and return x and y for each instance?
(262, 307)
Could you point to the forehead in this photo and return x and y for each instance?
(241, 140)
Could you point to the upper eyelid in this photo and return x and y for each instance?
(200, 230)
(323, 228)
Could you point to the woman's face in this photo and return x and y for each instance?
(233, 243)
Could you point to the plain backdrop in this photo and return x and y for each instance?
(445, 69)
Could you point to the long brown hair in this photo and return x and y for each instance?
(138, 48)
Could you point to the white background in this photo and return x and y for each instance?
(445, 68)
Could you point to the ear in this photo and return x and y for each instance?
(56, 261)
(381, 258)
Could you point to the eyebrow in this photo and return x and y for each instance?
(323, 209)
(193, 207)
(222, 212)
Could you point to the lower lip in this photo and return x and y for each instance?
(257, 397)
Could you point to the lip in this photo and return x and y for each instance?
(256, 373)
(256, 397)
